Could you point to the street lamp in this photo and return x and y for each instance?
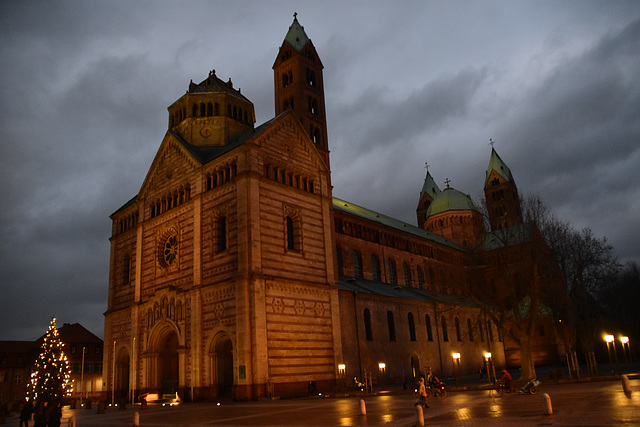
(341, 370)
(490, 368)
(609, 339)
(455, 358)
(625, 341)
(381, 368)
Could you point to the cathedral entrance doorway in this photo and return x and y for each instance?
(415, 366)
(122, 374)
(168, 363)
(222, 365)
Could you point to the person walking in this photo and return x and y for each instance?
(422, 394)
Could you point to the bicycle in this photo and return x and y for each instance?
(498, 390)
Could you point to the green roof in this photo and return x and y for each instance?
(498, 165)
(359, 285)
(430, 187)
(387, 221)
(296, 35)
(451, 200)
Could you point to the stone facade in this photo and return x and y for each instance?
(234, 271)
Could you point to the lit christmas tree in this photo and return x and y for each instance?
(50, 378)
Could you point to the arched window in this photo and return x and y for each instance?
(367, 325)
(420, 278)
(126, 269)
(427, 322)
(490, 329)
(393, 277)
(209, 109)
(480, 331)
(457, 324)
(431, 277)
(392, 326)
(357, 264)
(445, 332)
(470, 328)
(412, 327)
(203, 110)
(375, 268)
(407, 274)
(222, 234)
(291, 244)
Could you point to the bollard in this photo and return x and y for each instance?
(72, 422)
(546, 401)
(136, 419)
(419, 415)
(363, 407)
(626, 387)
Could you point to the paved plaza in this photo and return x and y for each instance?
(598, 403)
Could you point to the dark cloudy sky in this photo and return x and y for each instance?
(85, 85)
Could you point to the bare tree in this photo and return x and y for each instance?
(587, 264)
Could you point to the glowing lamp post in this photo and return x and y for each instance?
(341, 370)
(382, 367)
(625, 342)
(455, 359)
(610, 340)
(490, 368)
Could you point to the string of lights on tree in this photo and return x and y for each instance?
(51, 375)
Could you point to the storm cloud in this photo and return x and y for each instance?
(86, 86)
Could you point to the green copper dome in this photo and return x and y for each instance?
(451, 200)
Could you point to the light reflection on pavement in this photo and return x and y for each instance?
(601, 403)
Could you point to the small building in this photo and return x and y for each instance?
(84, 353)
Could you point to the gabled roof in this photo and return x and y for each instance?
(395, 291)
(75, 333)
(430, 187)
(206, 154)
(387, 221)
(498, 165)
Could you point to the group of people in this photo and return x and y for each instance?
(46, 414)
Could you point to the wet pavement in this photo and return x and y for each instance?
(598, 403)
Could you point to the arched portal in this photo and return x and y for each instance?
(122, 373)
(168, 363)
(222, 365)
(415, 366)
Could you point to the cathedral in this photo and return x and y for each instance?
(235, 272)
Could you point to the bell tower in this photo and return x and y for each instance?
(298, 85)
(501, 194)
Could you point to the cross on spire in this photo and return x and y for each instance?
(426, 165)
(295, 15)
(491, 142)
(447, 181)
